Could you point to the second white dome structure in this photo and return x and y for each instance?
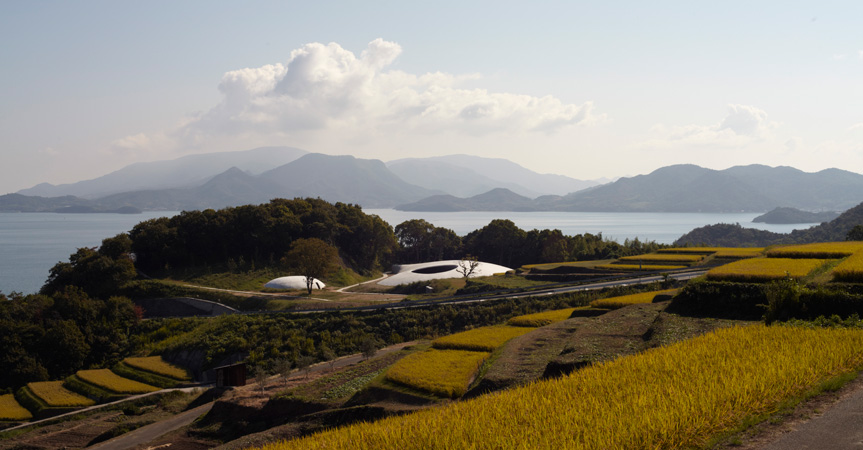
(436, 270)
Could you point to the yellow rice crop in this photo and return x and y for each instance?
(851, 269)
(11, 410)
(626, 300)
(822, 250)
(542, 319)
(677, 396)
(739, 252)
(157, 365)
(484, 339)
(692, 250)
(106, 379)
(446, 373)
(764, 269)
(55, 395)
(664, 258)
(648, 267)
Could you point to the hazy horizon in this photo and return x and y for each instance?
(579, 89)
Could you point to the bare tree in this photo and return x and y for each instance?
(328, 355)
(261, 376)
(467, 266)
(283, 367)
(303, 363)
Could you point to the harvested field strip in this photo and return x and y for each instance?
(626, 300)
(765, 269)
(484, 339)
(446, 373)
(157, 365)
(663, 258)
(823, 250)
(11, 410)
(544, 318)
(850, 270)
(677, 396)
(110, 381)
(53, 394)
(647, 267)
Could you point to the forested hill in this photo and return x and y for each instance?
(728, 235)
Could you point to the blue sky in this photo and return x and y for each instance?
(585, 89)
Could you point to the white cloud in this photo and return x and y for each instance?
(856, 126)
(743, 125)
(327, 89)
(839, 57)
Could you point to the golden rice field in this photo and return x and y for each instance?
(484, 339)
(542, 319)
(157, 365)
(626, 300)
(765, 269)
(446, 373)
(823, 250)
(751, 252)
(648, 267)
(677, 396)
(53, 394)
(11, 410)
(692, 250)
(664, 258)
(850, 270)
(106, 379)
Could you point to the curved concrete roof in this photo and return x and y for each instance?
(411, 273)
(294, 282)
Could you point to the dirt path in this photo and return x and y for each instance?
(150, 432)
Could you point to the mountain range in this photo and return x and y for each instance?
(219, 180)
(682, 188)
(446, 183)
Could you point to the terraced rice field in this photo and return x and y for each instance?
(626, 300)
(823, 250)
(542, 319)
(678, 396)
(446, 373)
(484, 339)
(157, 365)
(633, 267)
(53, 394)
(11, 410)
(850, 270)
(106, 379)
(659, 258)
(765, 269)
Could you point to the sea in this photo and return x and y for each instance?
(31, 243)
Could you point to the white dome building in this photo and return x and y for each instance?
(412, 273)
(294, 282)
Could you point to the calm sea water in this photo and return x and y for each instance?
(31, 243)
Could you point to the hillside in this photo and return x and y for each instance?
(794, 215)
(188, 171)
(498, 199)
(467, 175)
(736, 235)
(689, 188)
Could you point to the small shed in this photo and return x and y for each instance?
(231, 375)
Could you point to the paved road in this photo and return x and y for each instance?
(150, 432)
(841, 427)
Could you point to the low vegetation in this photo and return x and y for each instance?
(446, 373)
(708, 385)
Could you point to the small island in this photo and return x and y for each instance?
(784, 215)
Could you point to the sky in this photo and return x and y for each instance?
(583, 89)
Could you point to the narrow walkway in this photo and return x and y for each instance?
(151, 432)
(840, 427)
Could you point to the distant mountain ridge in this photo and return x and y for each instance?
(690, 188)
(467, 175)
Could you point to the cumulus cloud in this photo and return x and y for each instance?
(742, 125)
(325, 87)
